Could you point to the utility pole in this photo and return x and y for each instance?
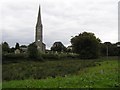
(118, 50)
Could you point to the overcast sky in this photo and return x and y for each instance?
(61, 19)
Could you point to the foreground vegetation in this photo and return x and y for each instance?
(69, 74)
(28, 69)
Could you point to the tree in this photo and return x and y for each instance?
(86, 45)
(32, 51)
(5, 47)
(103, 49)
(110, 49)
(118, 46)
(12, 50)
(23, 46)
(17, 46)
(58, 46)
(0, 53)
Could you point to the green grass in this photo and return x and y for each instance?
(103, 75)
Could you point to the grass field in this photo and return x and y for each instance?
(82, 74)
(41, 70)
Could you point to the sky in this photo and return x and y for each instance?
(61, 19)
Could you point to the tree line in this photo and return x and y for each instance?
(86, 45)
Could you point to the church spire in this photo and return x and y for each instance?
(38, 36)
(39, 33)
(39, 22)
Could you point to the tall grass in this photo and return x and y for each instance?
(40, 70)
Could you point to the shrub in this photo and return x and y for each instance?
(50, 56)
(70, 55)
(59, 56)
(32, 51)
(39, 57)
(14, 56)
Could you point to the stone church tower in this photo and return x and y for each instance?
(39, 34)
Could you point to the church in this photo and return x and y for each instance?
(39, 33)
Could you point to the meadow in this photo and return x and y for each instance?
(76, 73)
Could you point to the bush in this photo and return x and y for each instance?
(32, 51)
(59, 56)
(14, 56)
(70, 55)
(50, 56)
(39, 58)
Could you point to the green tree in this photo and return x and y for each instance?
(32, 51)
(118, 48)
(86, 45)
(58, 46)
(111, 49)
(17, 46)
(5, 47)
(103, 49)
(23, 46)
(12, 50)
